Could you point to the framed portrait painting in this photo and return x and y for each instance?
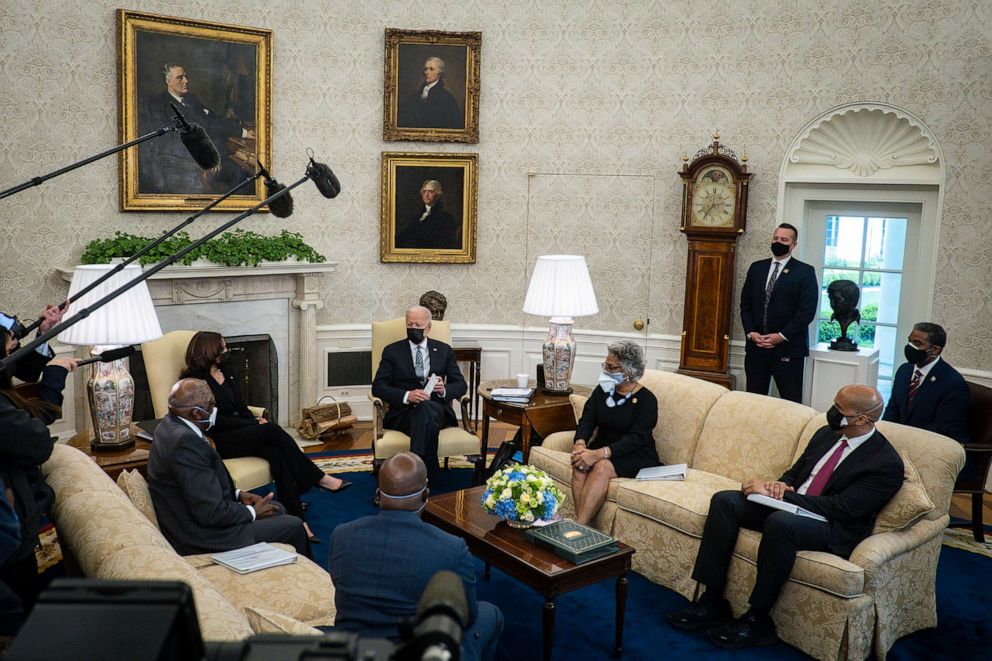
(219, 77)
(428, 208)
(431, 86)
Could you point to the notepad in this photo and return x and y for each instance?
(672, 472)
(775, 503)
(254, 558)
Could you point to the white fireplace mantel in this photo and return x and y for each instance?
(280, 299)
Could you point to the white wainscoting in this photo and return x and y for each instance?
(508, 350)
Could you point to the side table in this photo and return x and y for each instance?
(113, 463)
(471, 353)
(544, 413)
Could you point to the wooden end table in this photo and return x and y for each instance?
(471, 353)
(544, 413)
(496, 543)
(113, 463)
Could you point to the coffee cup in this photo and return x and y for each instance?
(522, 380)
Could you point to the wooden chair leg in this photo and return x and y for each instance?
(446, 463)
(977, 524)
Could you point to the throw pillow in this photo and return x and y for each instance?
(909, 504)
(265, 621)
(133, 484)
(578, 403)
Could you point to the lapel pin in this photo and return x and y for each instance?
(932, 379)
(785, 271)
(634, 400)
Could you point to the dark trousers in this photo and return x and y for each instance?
(422, 423)
(284, 528)
(760, 367)
(292, 471)
(783, 534)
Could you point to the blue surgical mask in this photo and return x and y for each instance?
(609, 381)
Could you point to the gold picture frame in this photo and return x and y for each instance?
(443, 232)
(227, 90)
(432, 83)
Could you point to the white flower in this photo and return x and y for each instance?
(507, 493)
(540, 496)
(524, 498)
(490, 501)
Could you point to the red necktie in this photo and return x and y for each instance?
(826, 471)
(914, 385)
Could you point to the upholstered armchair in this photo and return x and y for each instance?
(164, 360)
(453, 441)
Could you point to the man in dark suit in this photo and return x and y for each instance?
(198, 508)
(778, 302)
(433, 227)
(381, 564)
(404, 372)
(847, 473)
(431, 106)
(927, 392)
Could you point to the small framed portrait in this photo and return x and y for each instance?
(218, 77)
(428, 208)
(431, 86)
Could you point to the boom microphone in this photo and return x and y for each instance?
(196, 141)
(109, 356)
(281, 207)
(326, 182)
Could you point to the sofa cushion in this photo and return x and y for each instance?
(909, 504)
(683, 405)
(558, 465)
(825, 571)
(266, 621)
(682, 505)
(134, 485)
(747, 435)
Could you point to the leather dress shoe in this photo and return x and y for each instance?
(749, 629)
(701, 615)
(314, 539)
(344, 485)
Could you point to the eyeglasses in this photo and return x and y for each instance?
(611, 368)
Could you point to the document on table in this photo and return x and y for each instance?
(253, 558)
(768, 501)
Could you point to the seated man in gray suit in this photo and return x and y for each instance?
(198, 508)
(381, 563)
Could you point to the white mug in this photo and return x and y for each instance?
(522, 380)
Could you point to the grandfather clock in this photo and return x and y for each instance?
(714, 213)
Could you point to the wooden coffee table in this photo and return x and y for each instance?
(496, 543)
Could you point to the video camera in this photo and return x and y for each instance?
(83, 619)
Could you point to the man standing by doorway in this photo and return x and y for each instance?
(778, 302)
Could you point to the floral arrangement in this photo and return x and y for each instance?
(522, 494)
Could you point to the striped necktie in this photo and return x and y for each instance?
(914, 385)
(420, 363)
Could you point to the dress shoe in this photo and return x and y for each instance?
(314, 539)
(344, 485)
(304, 506)
(701, 614)
(749, 629)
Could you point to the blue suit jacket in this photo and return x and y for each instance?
(397, 375)
(381, 564)
(941, 405)
(790, 310)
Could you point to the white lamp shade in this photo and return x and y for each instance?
(560, 287)
(128, 319)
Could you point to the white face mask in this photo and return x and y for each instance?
(211, 421)
(608, 382)
(383, 494)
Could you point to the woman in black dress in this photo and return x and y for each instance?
(238, 433)
(622, 414)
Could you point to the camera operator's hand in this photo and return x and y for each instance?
(68, 363)
(50, 316)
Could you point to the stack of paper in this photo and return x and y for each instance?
(252, 558)
(768, 501)
(512, 395)
(673, 472)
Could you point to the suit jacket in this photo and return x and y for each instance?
(380, 565)
(941, 402)
(193, 494)
(439, 110)
(855, 493)
(790, 310)
(397, 375)
(439, 230)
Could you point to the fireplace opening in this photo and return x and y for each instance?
(255, 366)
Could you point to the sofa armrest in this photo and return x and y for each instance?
(872, 553)
(560, 441)
(256, 411)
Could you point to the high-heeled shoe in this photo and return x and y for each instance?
(344, 485)
(314, 539)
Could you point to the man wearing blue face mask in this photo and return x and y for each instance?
(927, 392)
(198, 508)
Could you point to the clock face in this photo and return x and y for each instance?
(714, 198)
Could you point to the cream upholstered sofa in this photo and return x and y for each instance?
(111, 537)
(831, 608)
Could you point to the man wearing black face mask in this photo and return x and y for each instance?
(403, 373)
(778, 302)
(198, 508)
(847, 473)
(927, 392)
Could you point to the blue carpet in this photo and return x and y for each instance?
(584, 622)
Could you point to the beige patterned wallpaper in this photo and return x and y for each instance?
(605, 96)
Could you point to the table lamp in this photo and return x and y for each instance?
(560, 288)
(128, 319)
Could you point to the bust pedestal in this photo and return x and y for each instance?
(828, 371)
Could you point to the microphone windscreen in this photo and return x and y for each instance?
(445, 593)
(200, 147)
(281, 207)
(326, 182)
